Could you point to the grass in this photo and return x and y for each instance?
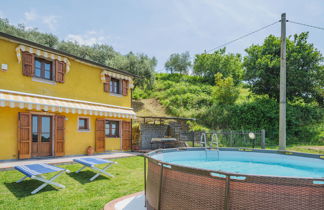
(314, 149)
(79, 193)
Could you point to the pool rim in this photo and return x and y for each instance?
(232, 174)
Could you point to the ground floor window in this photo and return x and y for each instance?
(83, 124)
(112, 128)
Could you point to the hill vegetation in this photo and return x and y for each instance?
(192, 96)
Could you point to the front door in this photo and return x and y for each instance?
(127, 136)
(41, 136)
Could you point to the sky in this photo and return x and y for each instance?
(162, 27)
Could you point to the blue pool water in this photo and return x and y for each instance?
(252, 163)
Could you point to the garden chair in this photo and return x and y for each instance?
(91, 162)
(36, 171)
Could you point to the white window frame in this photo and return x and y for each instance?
(120, 94)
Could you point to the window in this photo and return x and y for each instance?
(115, 86)
(112, 128)
(41, 128)
(43, 69)
(83, 124)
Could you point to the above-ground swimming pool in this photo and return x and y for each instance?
(199, 178)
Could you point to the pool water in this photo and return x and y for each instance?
(251, 163)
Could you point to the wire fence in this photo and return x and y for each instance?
(231, 138)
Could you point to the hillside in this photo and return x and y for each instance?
(193, 97)
(149, 107)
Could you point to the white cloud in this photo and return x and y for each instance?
(30, 15)
(50, 21)
(89, 38)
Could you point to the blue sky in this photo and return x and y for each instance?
(162, 27)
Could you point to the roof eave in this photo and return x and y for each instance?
(27, 42)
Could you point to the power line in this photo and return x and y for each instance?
(243, 36)
(303, 24)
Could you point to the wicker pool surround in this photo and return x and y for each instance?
(170, 186)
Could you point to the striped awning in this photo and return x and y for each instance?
(46, 103)
(117, 76)
(42, 53)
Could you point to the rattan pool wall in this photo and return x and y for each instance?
(177, 187)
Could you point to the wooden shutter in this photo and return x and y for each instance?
(127, 135)
(28, 60)
(59, 71)
(107, 84)
(24, 135)
(100, 135)
(59, 129)
(125, 87)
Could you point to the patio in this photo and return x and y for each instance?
(8, 165)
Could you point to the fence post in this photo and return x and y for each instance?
(145, 181)
(262, 139)
(227, 192)
(160, 187)
(193, 139)
(231, 138)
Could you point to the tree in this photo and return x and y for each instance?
(229, 65)
(140, 65)
(305, 71)
(178, 63)
(33, 34)
(99, 53)
(225, 92)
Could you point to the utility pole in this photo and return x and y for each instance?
(282, 106)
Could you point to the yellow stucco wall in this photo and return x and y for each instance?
(8, 133)
(82, 82)
(76, 142)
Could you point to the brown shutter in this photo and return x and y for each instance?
(127, 135)
(107, 84)
(100, 135)
(28, 64)
(24, 135)
(59, 71)
(125, 87)
(59, 135)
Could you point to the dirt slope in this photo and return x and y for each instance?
(149, 107)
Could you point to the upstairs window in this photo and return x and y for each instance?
(112, 128)
(115, 86)
(38, 67)
(43, 69)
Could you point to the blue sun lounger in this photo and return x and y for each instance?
(91, 162)
(35, 171)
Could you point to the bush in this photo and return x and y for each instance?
(304, 121)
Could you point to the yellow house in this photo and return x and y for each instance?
(56, 104)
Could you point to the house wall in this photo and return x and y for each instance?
(76, 142)
(82, 82)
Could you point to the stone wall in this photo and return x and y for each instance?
(177, 130)
(149, 131)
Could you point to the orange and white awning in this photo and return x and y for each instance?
(42, 53)
(21, 100)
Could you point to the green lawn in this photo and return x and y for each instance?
(79, 193)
